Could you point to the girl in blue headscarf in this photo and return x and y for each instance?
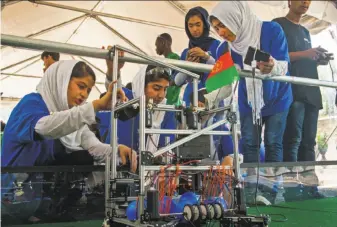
(201, 47)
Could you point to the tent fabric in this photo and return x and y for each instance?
(38, 21)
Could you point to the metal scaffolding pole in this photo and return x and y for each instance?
(36, 44)
(47, 45)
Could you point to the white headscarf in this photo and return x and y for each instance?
(138, 89)
(237, 17)
(53, 88)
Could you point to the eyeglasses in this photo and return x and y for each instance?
(159, 70)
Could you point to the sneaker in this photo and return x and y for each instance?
(260, 199)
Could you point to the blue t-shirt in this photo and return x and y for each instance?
(21, 145)
(127, 131)
(277, 95)
(189, 88)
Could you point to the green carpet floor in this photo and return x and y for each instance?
(311, 213)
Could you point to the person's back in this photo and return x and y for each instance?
(164, 47)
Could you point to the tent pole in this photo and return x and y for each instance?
(35, 44)
(20, 62)
(96, 13)
(100, 20)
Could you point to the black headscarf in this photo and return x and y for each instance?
(204, 41)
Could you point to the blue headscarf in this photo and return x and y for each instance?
(204, 41)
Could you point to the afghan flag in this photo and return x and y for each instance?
(223, 73)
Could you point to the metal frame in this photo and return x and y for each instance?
(38, 44)
(111, 165)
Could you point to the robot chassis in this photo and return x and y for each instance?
(193, 215)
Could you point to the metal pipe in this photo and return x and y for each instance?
(186, 168)
(162, 107)
(171, 214)
(195, 92)
(236, 160)
(38, 44)
(208, 112)
(96, 13)
(172, 107)
(122, 199)
(292, 80)
(124, 105)
(125, 181)
(20, 62)
(119, 34)
(52, 28)
(167, 159)
(46, 45)
(159, 62)
(188, 138)
(113, 135)
(184, 132)
(141, 149)
(106, 187)
(165, 109)
(18, 75)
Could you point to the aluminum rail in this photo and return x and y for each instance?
(100, 168)
(187, 168)
(46, 45)
(212, 111)
(124, 105)
(184, 132)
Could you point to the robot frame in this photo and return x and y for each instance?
(191, 210)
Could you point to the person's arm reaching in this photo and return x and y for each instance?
(62, 123)
(100, 151)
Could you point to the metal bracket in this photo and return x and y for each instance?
(231, 117)
(111, 53)
(146, 157)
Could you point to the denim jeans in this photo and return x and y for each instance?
(273, 135)
(300, 134)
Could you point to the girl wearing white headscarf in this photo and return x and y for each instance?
(260, 102)
(57, 113)
(152, 82)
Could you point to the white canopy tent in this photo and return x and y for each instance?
(133, 24)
